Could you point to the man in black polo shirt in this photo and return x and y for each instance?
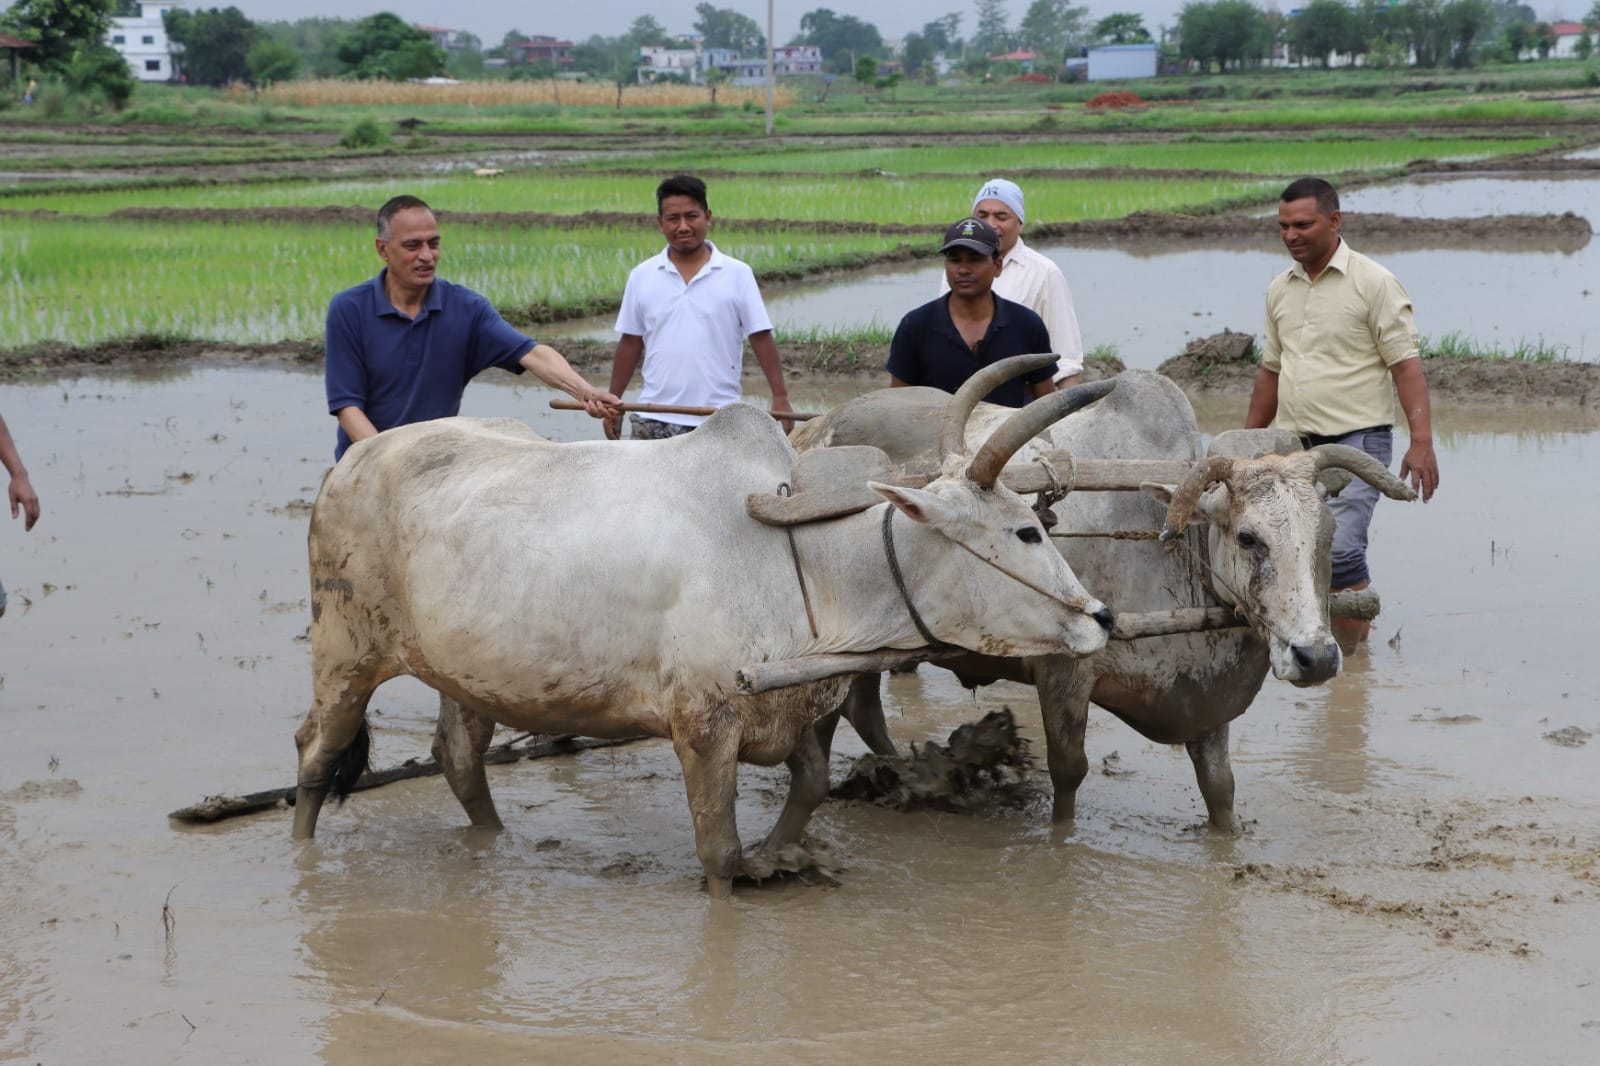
(944, 342)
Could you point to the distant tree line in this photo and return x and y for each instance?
(1232, 34)
(219, 46)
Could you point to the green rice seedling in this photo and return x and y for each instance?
(262, 282)
(1455, 345)
(919, 201)
(1268, 157)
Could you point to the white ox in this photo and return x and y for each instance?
(1264, 550)
(614, 589)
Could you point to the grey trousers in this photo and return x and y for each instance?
(1352, 508)
(641, 428)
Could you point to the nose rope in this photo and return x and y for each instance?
(1076, 605)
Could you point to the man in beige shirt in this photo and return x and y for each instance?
(1338, 330)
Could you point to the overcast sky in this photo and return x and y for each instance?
(490, 19)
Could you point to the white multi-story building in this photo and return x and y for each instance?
(657, 61)
(142, 41)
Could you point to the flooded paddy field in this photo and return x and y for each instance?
(1149, 296)
(1417, 881)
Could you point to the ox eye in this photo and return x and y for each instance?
(1029, 535)
(1248, 541)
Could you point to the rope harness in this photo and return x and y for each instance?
(794, 553)
(1076, 605)
(1240, 604)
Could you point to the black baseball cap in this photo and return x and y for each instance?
(972, 233)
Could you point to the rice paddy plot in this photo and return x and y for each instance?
(260, 282)
(1267, 157)
(931, 201)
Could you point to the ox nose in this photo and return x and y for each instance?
(1316, 662)
(1106, 619)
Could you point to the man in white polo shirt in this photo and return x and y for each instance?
(687, 313)
(1029, 278)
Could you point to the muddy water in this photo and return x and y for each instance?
(1417, 883)
(1149, 303)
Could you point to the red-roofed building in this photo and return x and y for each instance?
(1567, 34)
(1024, 57)
(539, 48)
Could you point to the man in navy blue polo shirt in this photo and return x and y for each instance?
(947, 340)
(402, 347)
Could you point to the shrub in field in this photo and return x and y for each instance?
(161, 114)
(365, 134)
(98, 70)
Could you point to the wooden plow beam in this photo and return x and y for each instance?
(1132, 625)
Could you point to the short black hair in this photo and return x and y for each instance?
(683, 185)
(393, 208)
(1312, 188)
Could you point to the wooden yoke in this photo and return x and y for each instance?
(832, 486)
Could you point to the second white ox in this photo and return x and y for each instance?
(613, 589)
(1264, 550)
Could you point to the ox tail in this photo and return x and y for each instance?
(351, 764)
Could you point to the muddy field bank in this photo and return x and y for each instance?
(1221, 367)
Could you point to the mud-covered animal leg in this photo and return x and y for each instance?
(460, 740)
(333, 744)
(863, 709)
(708, 747)
(1209, 753)
(1064, 685)
(808, 787)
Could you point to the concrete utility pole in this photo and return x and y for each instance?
(772, 75)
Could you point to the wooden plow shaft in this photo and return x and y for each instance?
(1132, 625)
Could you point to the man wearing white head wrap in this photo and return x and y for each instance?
(1029, 278)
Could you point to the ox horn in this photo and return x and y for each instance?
(953, 432)
(1028, 423)
(1201, 476)
(1363, 466)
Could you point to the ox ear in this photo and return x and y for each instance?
(1164, 493)
(1157, 491)
(918, 505)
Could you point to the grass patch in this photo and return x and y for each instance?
(1454, 345)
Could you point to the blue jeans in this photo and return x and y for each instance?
(1352, 508)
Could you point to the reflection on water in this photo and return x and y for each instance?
(1148, 303)
(1480, 196)
(159, 662)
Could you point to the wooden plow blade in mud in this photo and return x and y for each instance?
(1056, 471)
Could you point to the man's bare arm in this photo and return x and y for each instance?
(552, 368)
(355, 423)
(766, 350)
(1420, 462)
(1263, 400)
(630, 349)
